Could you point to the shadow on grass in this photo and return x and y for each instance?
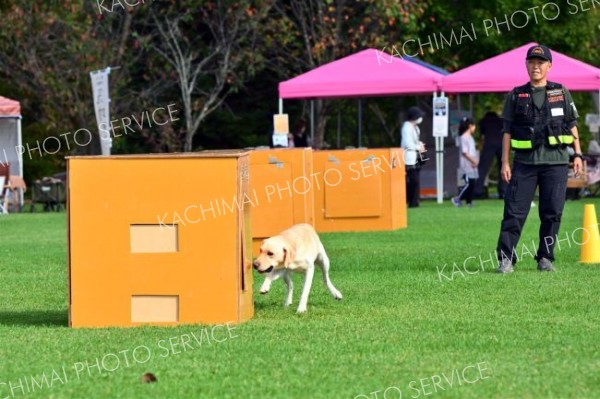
(50, 318)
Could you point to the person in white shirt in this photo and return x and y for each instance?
(469, 159)
(413, 147)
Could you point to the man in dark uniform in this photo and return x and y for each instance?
(539, 124)
(491, 130)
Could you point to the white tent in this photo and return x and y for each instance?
(10, 137)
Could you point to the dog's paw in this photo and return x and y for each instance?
(301, 310)
(337, 295)
(263, 292)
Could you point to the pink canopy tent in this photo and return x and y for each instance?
(9, 108)
(367, 73)
(507, 70)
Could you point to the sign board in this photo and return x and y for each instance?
(281, 124)
(593, 121)
(280, 140)
(440, 117)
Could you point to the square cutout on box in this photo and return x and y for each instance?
(153, 238)
(154, 308)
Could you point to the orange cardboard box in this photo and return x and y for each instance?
(359, 190)
(159, 239)
(280, 181)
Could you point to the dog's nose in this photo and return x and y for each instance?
(255, 264)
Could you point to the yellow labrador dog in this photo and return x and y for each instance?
(296, 249)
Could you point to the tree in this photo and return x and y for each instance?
(48, 50)
(505, 24)
(309, 33)
(211, 65)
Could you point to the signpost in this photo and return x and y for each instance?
(440, 131)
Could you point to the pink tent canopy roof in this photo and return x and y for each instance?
(366, 73)
(507, 70)
(9, 107)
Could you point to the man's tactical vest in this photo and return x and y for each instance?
(533, 127)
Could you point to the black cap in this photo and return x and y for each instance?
(539, 51)
(414, 113)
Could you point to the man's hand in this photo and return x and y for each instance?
(505, 172)
(577, 166)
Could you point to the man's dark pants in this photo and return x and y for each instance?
(488, 153)
(552, 182)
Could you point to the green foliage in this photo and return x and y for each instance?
(48, 48)
(505, 24)
(37, 163)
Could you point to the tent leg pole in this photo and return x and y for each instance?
(20, 158)
(399, 122)
(280, 105)
(339, 128)
(360, 122)
(442, 164)
(440, 157)
(471, 99)
(312, 123)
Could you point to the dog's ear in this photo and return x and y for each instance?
(289, 254)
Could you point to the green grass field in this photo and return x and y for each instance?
(401, 326)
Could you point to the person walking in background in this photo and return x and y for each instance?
(490, 129)
(412, 147)
(540, 121)
(469, 159)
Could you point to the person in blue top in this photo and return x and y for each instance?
(540, 122)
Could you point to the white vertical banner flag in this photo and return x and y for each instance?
(101, 106)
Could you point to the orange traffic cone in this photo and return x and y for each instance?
(590, 240)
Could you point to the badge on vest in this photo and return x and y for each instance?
(556, 92)
(554, 99)
(523, 95)
(557, 111)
